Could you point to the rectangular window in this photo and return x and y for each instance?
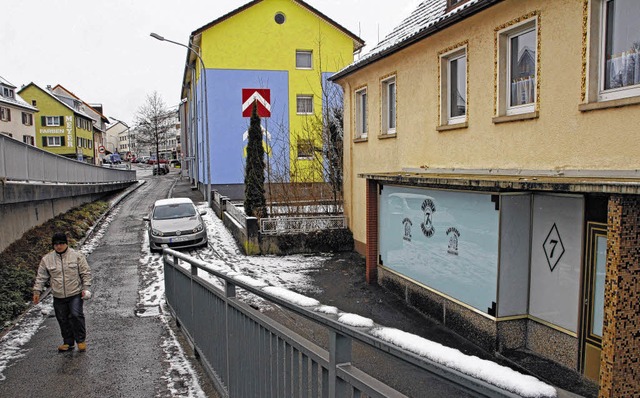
(518, 68)
(304, 104)
(34, 102)
(388, 89)
(27, 119)
(454, 87)
(522, 68)
(7, 92)
(304, 59)
(53, 121)
(28, 139)
(361, 113)
(5, 114)
(53, 141)
(621, 49)
(305, 149)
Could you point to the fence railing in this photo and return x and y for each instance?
(22, 162)
(293, 225)
(248, 354)
(237, 213)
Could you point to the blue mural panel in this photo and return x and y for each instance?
(227, 126)
(445, 240)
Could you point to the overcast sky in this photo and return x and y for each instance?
(101, 49)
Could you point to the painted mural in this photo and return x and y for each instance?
(445, 240)
(228, 127)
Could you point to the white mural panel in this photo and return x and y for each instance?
(556, 255)
(446, 240)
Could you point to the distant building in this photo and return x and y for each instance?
(280, 54)
(94, 111)
(62, 124)
(16, 115)
(117, 139)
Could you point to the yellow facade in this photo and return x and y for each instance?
(567, 132)
(250, 40)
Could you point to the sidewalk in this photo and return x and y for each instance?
(341, 283)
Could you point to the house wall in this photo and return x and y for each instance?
(560, 137)
(49, 107)
(15, 126)
(250, 50)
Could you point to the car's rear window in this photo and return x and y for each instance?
(177, 210)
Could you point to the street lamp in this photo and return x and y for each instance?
(206, 106)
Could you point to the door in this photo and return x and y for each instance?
(593, 314)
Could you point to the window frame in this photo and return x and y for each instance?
(52, 121)
(8, 92)
(51, 141)
(29, 140)
(504, 35)
(5, 114)
(305, 52)
(27, 119)
(613, 93)
(361, 99)
(302, 143)
(386, 109)
(300, 97)
(446, 58)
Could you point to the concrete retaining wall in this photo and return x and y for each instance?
(24, 206)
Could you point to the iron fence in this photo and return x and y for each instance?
(293, 225)
(248, 354)
(22, 162)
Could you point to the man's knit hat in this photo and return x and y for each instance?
(59, 237)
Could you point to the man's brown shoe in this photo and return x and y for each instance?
(82, 346)
(65, 347)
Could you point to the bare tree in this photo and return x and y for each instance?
(153, 121)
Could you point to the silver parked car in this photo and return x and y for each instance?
(176, 223)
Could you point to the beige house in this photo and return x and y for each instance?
(16, 115)
(492, 175)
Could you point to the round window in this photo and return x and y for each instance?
(279, 18)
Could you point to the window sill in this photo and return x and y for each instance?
(515, 118)
(385, 136)
(456, 126)
(360, 139)
(594, 106)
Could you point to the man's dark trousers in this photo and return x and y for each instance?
(70, 316)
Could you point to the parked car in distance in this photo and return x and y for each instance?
(177, 223)
(153, 161)
(113, 158)
(143, 159)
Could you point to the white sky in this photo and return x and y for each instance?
(102, 52)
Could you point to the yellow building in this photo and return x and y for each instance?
(62, 125)
(491, 175)
(279, 52)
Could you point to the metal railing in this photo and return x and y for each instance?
(250, 355)
(293, 225)
(22, 162)
(237, 213)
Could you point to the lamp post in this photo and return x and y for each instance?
(206, 106)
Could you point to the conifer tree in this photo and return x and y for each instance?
(254, 199)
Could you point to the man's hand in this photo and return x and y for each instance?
(86, 295)
(36, 298)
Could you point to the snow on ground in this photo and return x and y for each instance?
(285, 277)
(11, 344)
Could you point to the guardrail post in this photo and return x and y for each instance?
(229, 292)
(339, 354)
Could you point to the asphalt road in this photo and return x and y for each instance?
(124, 357)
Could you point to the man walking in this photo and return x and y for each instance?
(68, 272)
